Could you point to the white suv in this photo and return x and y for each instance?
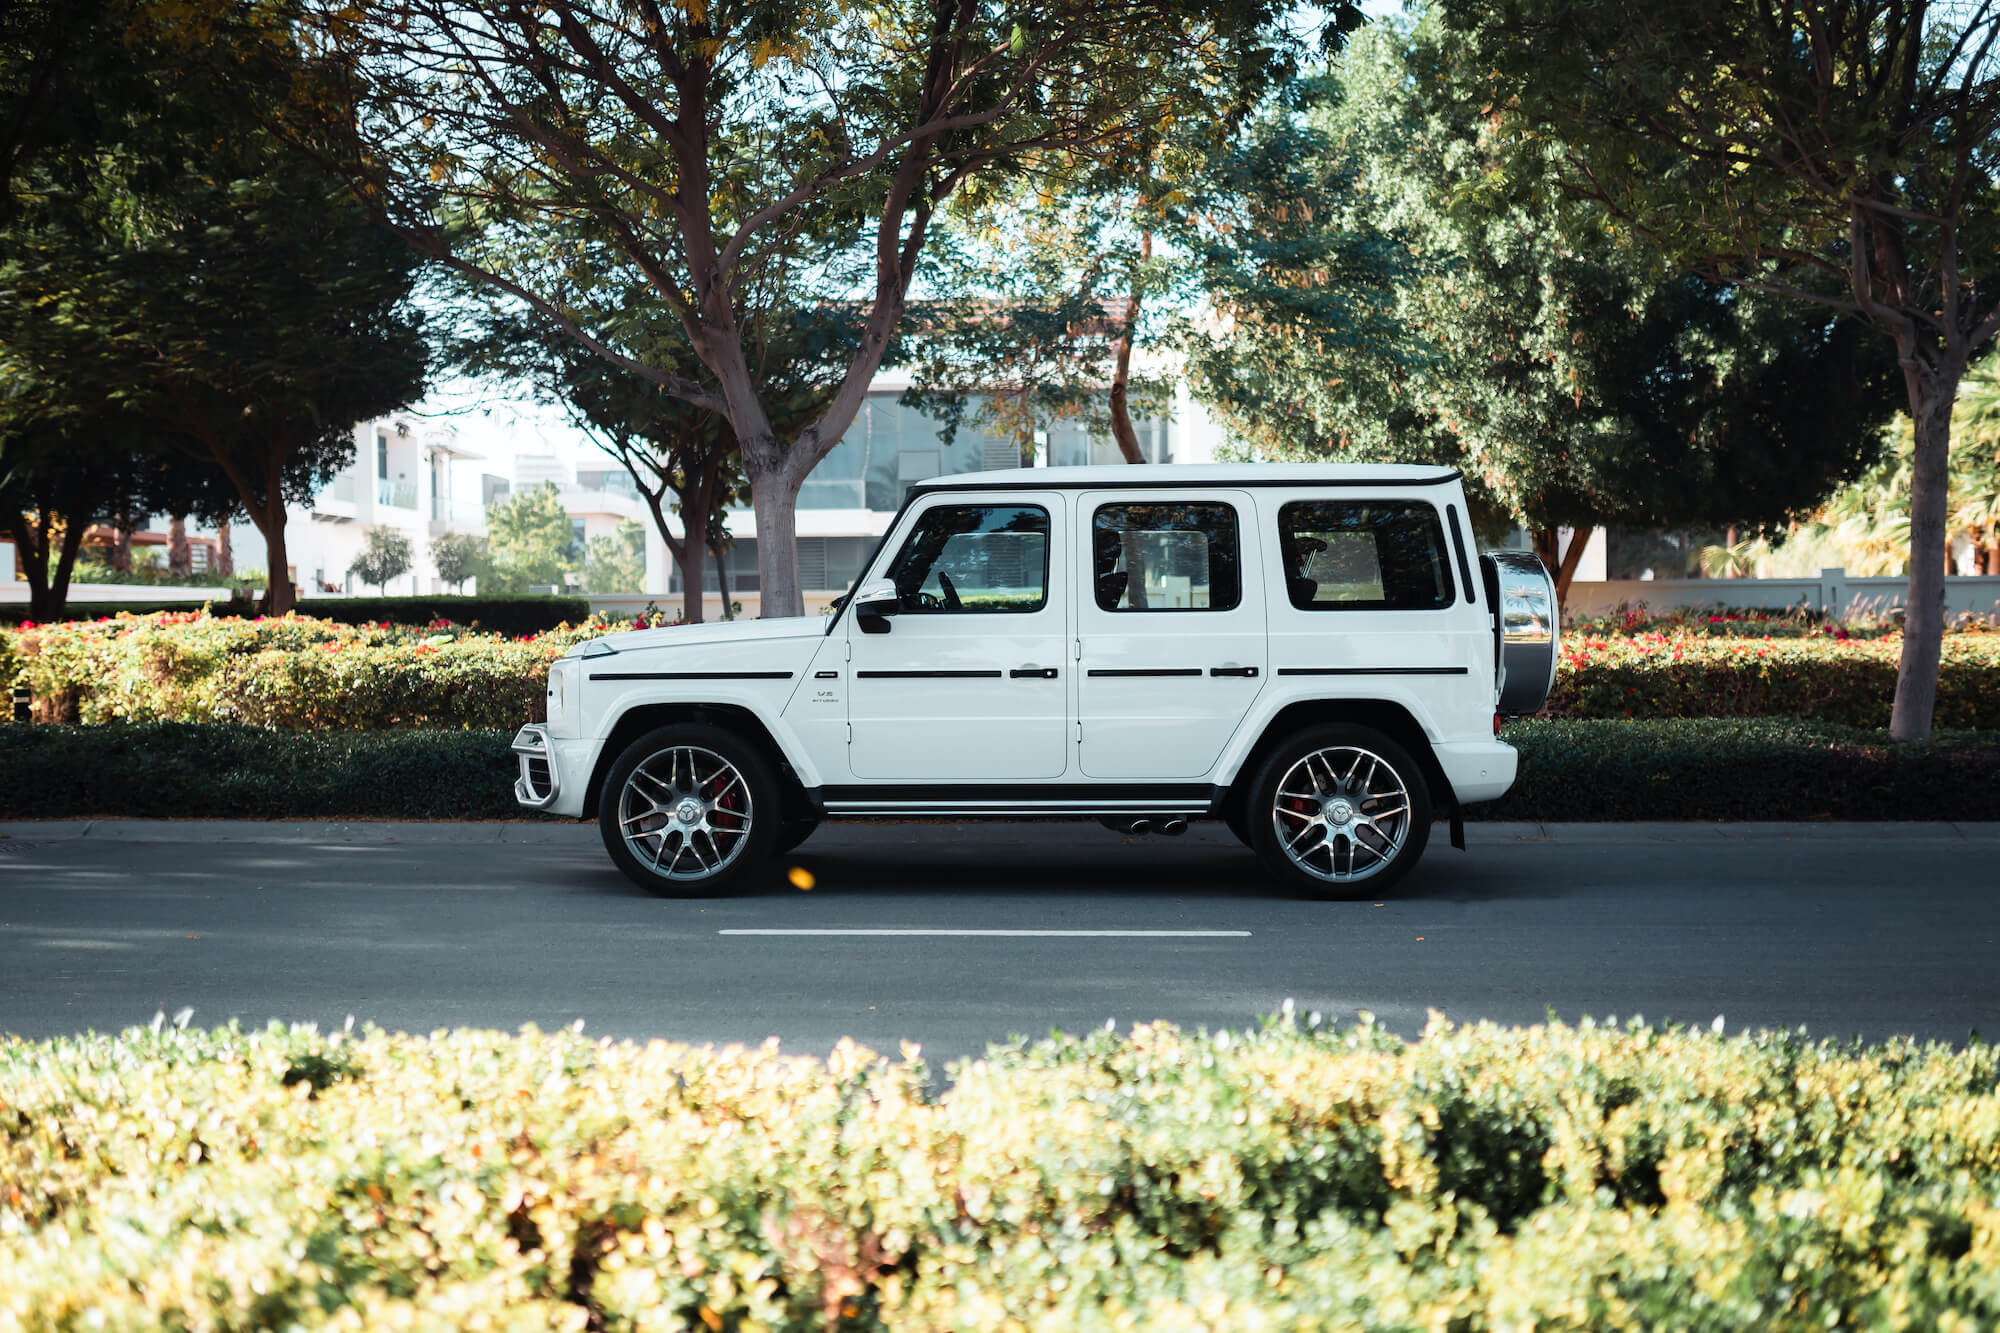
(1303, 651)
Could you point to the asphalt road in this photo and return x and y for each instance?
(1852, 929)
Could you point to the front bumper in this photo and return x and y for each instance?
(540, 783)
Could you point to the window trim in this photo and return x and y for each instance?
(1236, 524)
(1449, 594)
(1048, 544)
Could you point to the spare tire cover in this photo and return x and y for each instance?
(1527, 627)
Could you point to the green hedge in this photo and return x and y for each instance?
(1292, 1177)
(502, 615)
(1727, 769)
(183, 770)
(1744, 768)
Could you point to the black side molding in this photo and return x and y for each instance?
(690, 675)
(1375, 671)
(1144, 671)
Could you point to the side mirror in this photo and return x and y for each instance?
(873, 602)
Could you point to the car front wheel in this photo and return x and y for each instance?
(689, 810)
(1339, 811)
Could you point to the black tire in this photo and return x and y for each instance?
(1359, 776)
(792, 833)
(735, 825)
(1233, 818)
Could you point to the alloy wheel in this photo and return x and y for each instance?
(1341, 814)
(685, 813)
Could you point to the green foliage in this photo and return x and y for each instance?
(180, 770)
(1292, 1177)
(1750, 768)
(386, 556)
(617, 563)
(501, 615)
(1406, 286)
(1779, 768)
(1683, 673)
(458, 556)
(530, 542)
(289, 673)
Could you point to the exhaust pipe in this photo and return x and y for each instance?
(1173, 827)
(1127, 825)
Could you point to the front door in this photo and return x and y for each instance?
(1170, 629)
(965, 683)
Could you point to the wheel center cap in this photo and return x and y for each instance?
(689, 811)
(1339, 811)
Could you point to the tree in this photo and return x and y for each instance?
(457, 556)
(1398, 303)
(531, 540)
(701, 141)
(386, 556)
(617, 562)
(211, 279)
(1851, 138)
(681, 457)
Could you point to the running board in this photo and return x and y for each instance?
(1181, 800)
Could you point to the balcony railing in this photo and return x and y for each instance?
(396, 494)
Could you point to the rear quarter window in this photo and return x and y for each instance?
(1364, 555)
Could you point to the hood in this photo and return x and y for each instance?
(711, 635)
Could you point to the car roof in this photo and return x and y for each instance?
(1125, 475)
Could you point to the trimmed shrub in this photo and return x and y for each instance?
(291, 673)
(179, 770)
(501, 615)
(1777, 769)
(1685, 674)
(1293, 1177)
(1744, 768)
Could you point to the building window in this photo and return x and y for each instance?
(382, 455)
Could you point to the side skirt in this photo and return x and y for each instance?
(1015, 800)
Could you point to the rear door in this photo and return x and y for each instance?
(1170, 628)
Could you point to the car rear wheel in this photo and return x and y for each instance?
(689, 810)
(1339, 811)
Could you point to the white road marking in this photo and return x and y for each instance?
(1017, 934)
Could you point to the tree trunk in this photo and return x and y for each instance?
(121, 544)
(774, 499)
(720, 551)
(1931, 399)
(180, 559)
(1547, 543)
(280, 597)
(225, 558)
(1121, 375)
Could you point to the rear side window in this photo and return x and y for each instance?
(1166, 557)
(1364, 555)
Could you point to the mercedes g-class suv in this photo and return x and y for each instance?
(1313, 654)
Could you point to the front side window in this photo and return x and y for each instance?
(974, 558)
(1364, 555)
(1166, 557)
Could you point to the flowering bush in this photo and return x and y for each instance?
(1685, 673)
(1293, 1177)
(290, 672)
(298, 673)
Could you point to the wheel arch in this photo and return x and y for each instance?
(1386, 716)
(636, 721)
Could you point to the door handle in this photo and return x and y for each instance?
(1032, 673)
(1249, 673)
